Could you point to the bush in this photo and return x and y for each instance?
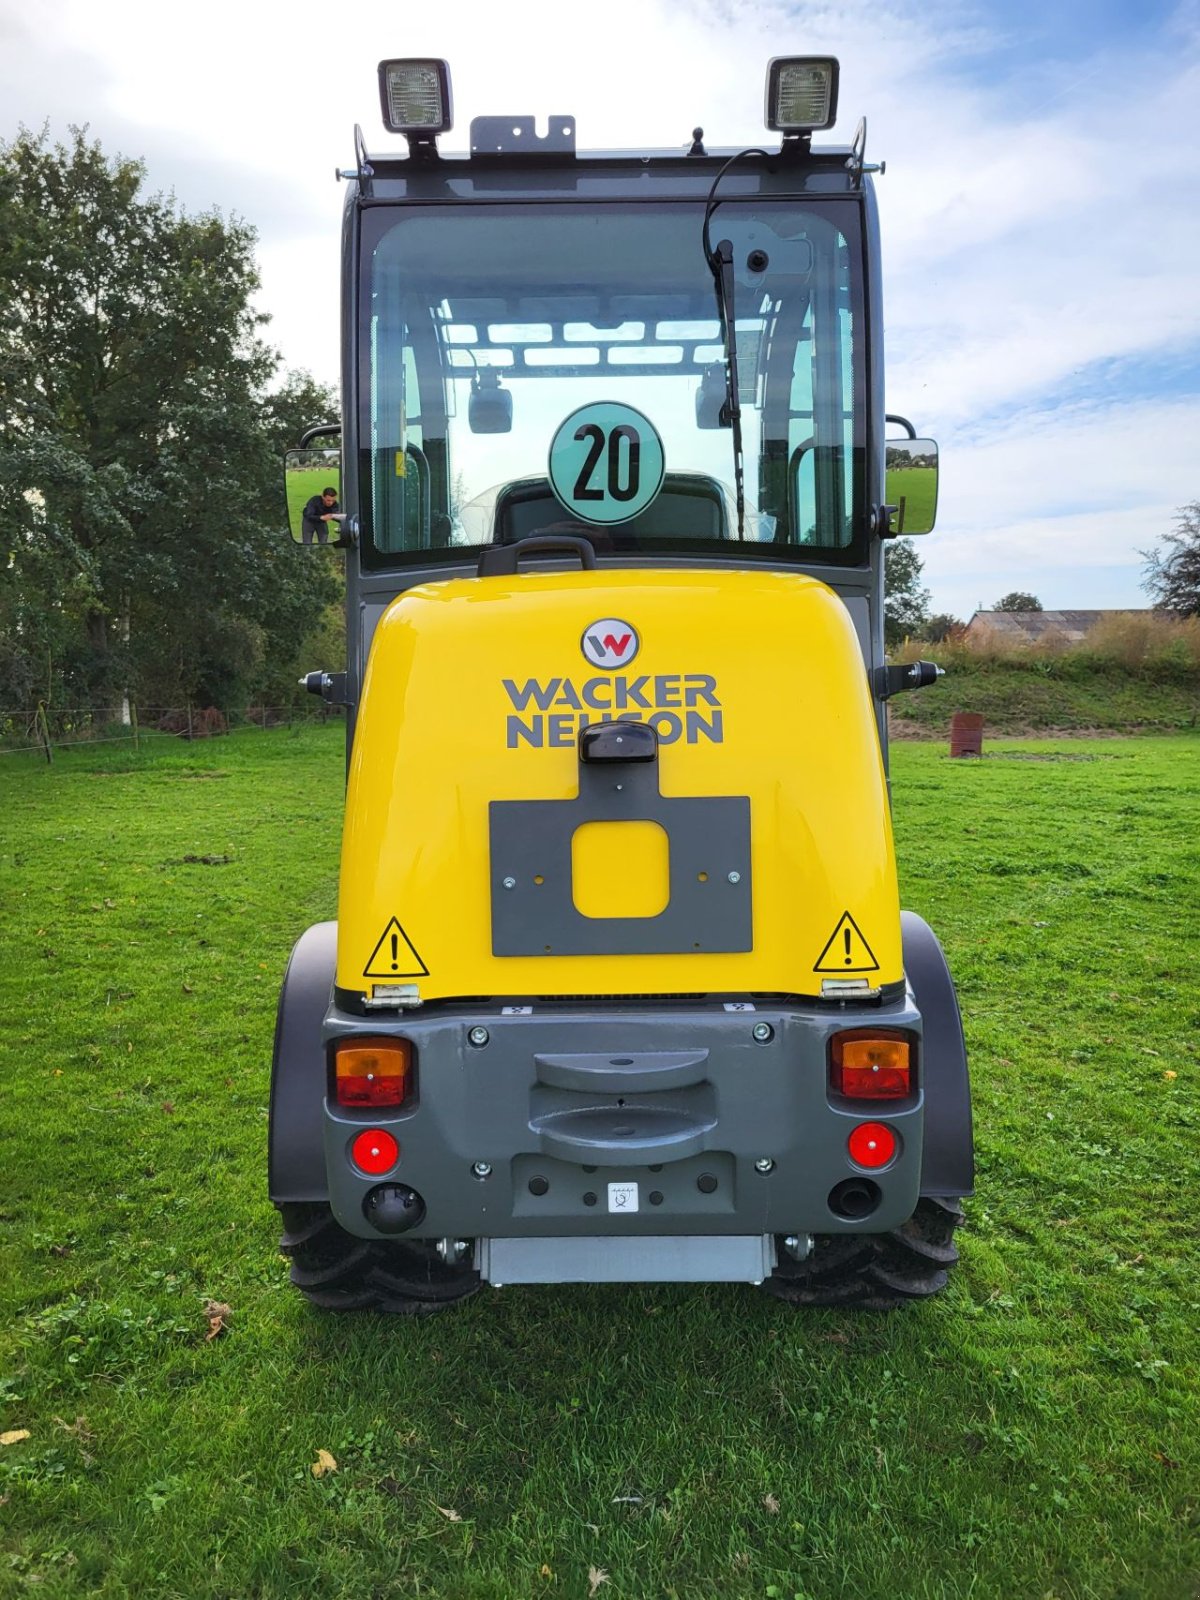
(1149, 645)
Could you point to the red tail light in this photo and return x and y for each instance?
(872, 1144)
(871, 1064)
(372, 1072)
(374, 1152)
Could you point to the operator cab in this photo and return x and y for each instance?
(560, 363)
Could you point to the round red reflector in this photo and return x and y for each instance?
(872, 1144)
(374, 1151)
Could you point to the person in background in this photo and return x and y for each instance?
(320, 511)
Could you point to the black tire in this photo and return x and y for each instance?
(339, 1272)
(877, 1271)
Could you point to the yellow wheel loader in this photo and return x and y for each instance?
(620, 989)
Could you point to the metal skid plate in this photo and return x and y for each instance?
(709, 906)
(688, 1258)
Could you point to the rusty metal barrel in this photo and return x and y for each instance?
(966, 734)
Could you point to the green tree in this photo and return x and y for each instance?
(906, 603)
(1018, 600)
(941, 626)
(137, 439)
(1173, 570)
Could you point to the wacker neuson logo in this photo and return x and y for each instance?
(551, 711)
(609, 643)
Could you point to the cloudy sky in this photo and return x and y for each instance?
(1041, 206)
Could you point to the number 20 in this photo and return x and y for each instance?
(628, 490)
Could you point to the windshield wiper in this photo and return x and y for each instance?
(720, 264)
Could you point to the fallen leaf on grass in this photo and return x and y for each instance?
(81, 1433)
(15, 1436)
(168, 1106)
(218, 1314)
(449, 1514)
(1166, 1460)
(1170, 1076)
(323, 1464)
(596, 1576)
(545, 1572)
(771, 1504)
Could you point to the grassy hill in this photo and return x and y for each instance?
(1132, 673)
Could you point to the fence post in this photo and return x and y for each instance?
(43, 727)
(134, 720)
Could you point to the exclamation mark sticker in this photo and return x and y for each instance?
(394, 954)
(396, 950)
(846, 950)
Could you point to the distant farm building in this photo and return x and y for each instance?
(1030, 627)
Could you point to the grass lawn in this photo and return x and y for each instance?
(913, 491)
(1031, 1433)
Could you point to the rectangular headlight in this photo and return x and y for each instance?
(415, 96)
(802, 93)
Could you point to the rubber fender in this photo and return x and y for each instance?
(295, 1138)
(948, 1160)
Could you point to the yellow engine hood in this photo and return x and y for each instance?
(476, 691)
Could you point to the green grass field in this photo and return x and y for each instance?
(1032, 1433)
(914, 491)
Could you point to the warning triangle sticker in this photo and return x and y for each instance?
(847, 950)
(394, 956)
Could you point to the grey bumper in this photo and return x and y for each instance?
(672, 1121)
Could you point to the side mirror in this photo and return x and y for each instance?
(911, 484)
(490, 408)
(314, 516)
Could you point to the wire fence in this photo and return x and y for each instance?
(46, 729)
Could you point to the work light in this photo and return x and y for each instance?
(801, 93)
(415, 96)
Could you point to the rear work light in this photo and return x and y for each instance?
(372, 1072)
(872, 1144)
(871, 1064)
(802, 93)
(415, 96)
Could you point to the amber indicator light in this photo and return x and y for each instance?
(868, 1064)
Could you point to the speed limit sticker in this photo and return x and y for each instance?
(606, 462)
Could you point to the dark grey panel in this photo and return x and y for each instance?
(296, 1136)
(948, 1161)
(709, 906)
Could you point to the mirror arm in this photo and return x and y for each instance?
(320, 430)
(881, 522)
(904, 423)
